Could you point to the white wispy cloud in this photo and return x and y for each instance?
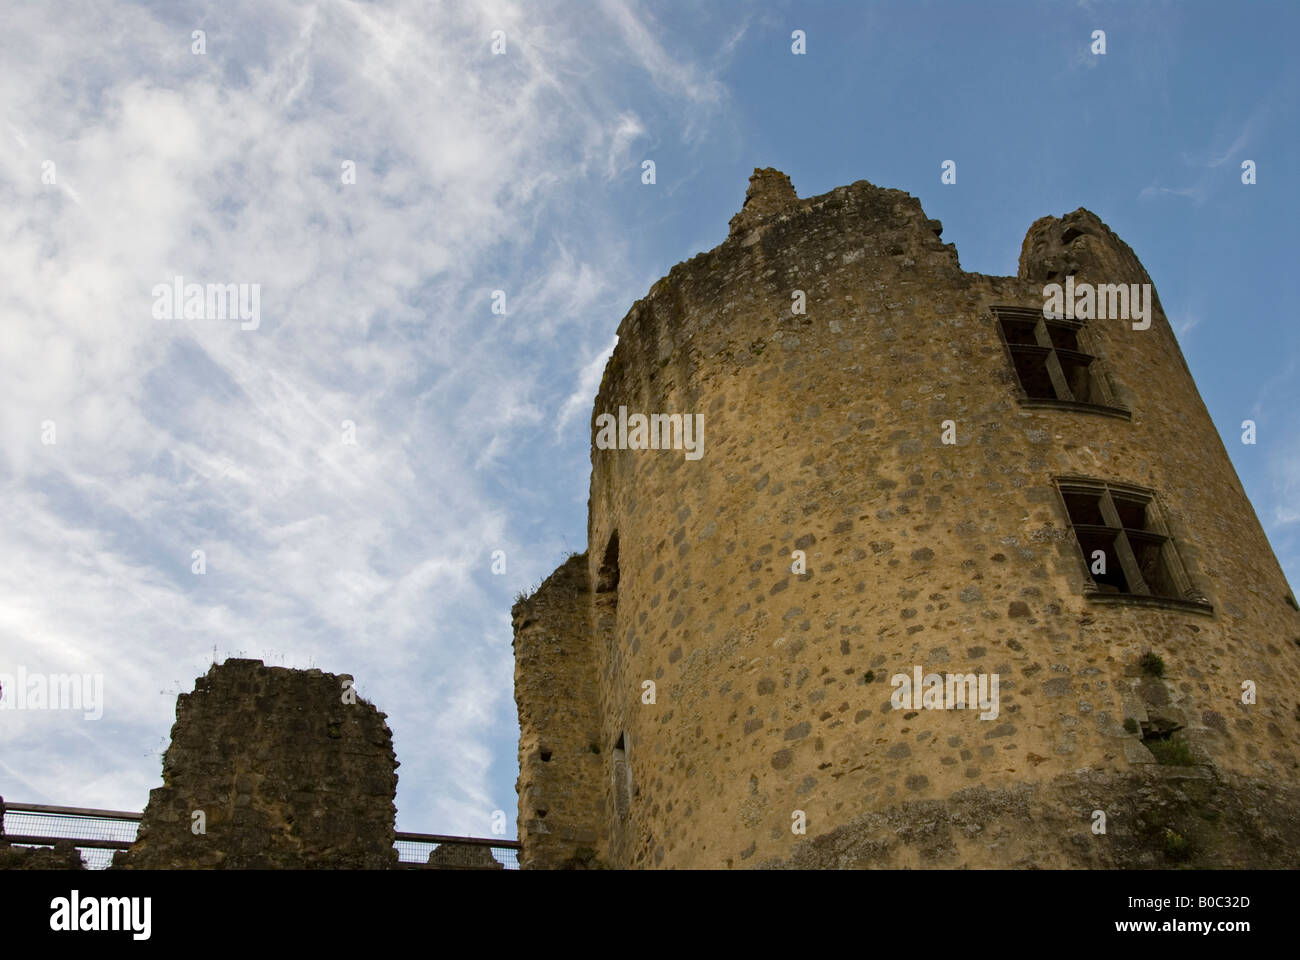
(628, 130)
(1230, 142)
(174, 436)
(579, 402)
(1196, 193)
(1186, 323)
(1278, 444)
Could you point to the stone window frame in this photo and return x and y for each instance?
(1098, 371)
(1156, 531)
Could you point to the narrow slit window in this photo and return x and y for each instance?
(622, 774)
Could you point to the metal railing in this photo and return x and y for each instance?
(98, 833)
(413, 850)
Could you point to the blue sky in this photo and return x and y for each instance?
(521, 173)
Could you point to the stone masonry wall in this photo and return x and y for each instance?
(560, 762)
(290, 768)
(823, 434)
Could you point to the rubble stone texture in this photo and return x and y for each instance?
(287, 772)
(823, 433)
(560, 730)
(463, 856)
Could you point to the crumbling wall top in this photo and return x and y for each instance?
(770, 192)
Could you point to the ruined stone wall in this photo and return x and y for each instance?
(560, 762)
(823, 434)
(462, 856)
(290, 768)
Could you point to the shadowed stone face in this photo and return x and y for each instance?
(279, 768)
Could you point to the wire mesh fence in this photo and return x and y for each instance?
(415, 853)
(98, 833)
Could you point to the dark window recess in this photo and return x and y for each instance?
(622, 780)
(1083, 385)
(1084, 507)
(1063, 337)
(1102, 558)
(1019, 332)
(1126, 548)
(1132, 512)
(1149, 552)
(1051, 360)
(607, 576)
(1031, 368)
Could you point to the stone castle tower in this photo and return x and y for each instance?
(917, 471)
